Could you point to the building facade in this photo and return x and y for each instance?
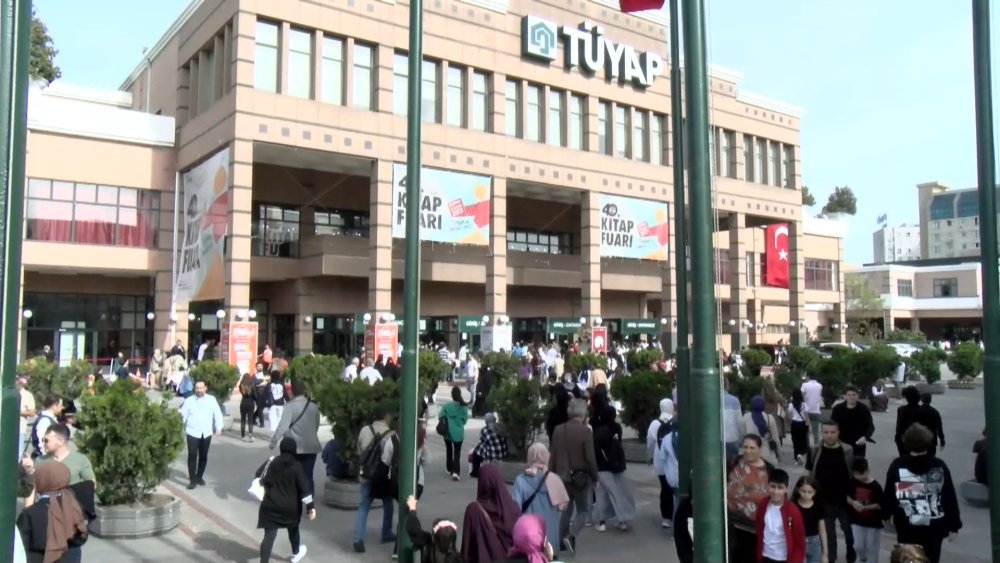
(949, 221)
(547, 183)
(896, 244)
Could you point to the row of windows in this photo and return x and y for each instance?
(455, 106)
(819, 274)
(541, 242)
(904, 288)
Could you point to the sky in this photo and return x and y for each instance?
(886, 86)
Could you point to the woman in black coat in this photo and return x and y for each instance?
(285, 491)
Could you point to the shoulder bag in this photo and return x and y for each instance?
(256, 489)
(527, 502)
(301, 414)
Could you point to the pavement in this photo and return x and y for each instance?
(219, 520)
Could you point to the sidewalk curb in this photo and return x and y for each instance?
(217, 519)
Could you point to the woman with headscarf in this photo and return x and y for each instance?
(492, 446)
(489, 520)
(759, 423)
(286, 489)
(539, 491)
(530, 544)
(558, 414)
(659, 428)
(54, 527)
(614, 494)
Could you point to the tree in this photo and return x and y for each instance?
(807, 198)
(42, 64)
(842, 200)
(863, 301)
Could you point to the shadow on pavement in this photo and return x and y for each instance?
(225, 549)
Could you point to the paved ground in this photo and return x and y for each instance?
(219, 521)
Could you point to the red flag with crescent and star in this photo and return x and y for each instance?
(630, 6)
(777, 255)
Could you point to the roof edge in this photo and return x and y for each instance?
(158, 47)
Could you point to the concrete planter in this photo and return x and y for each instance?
(966, 383)
(932, 388)
(344, 494)
(635, 450)
(159, 515)
(976, 494)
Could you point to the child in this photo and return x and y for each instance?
(806, 497)
(865, 500)
(781, 535)
(436, 546)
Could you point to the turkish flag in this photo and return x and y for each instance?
(629, 6)
(776, 256)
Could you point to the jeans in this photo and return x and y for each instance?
(197, 456)
(833, 515)
(246, 415)
(472, 393)
(666, 499)
(581, 500)
(267, 544)
(452, 461)
(814, 424)
(361, 523)
(274, 416)
(814, 549)
(308, 463)
(866, 542)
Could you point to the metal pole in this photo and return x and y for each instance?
(683, 373)
(989, 256)
(411, 283)
(15, 28)
(707, 467)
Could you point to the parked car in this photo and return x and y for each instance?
(904, 349)
(826, 349)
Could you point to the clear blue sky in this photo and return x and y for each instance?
(886, 85)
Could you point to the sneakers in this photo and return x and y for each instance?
(251, 439)
(623, 526)
(569, 544)
(455, 477)
(299, 554)
(600, 527)
(799, 460)
(665, 523)
(359, 547)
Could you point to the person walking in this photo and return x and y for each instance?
(799, 416)
(487, 527)
(54, 528)
(732, 423)
(27, 413)
(56, 444)
(746, 487)
(286, 490)
(248, 402)
(907, 414)
(865, 502)
(810, 504)
(855, 422)
(812, 393)
(780, 531)
(932, 420)
(376, 439)
(472, 378)
(52, 408)
(763, 424)
(539, 491)
(276, 401)
(455, 415)
(573, 459)
(830, 464)
(492, 445)
(202, 419)
(614, 494)
(530, 544)
(300, 421)
(658, 428)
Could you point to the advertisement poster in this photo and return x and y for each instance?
(205, 205)
(239, 345)
(454, 206)
(634, 228)
(599, 340)
(497, 338)
(381, 339)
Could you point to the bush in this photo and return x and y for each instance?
(131, 441)
(640, 393)
(966, 361)
(877, 362)
(744, 388)
(835, 373)
(753, 360)
(502, 364)
(46, 378)
(640, 360)
(430, 367)
(515, 401)
(927, 362)
(904, 335)
(803, 359)
(219, 377)
(574, 363)
(350, 406)
(315, 371)
(787, 380)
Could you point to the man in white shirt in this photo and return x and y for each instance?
(370, 374)
(201, 351)
(472, 375)
(351, 371)
(202, 418)
(812, 393)
(27, 413)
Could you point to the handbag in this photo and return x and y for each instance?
(256, 489)
(442, 426)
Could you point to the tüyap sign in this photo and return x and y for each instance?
(585, 46)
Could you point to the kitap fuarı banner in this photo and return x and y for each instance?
(634, 228)
(454, 206)
(205, 205)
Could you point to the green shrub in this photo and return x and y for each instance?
(430, 367)
(219, 377)
(877, 362)
(904, 335)
(46, 378)
(574, 363)
(515, 401)
(927, 362)
(131, 441)
(787, 380)
(640, 393)
(835, 373)
(803, 359)
(502, 364)
(350, 406)
(966, 361)
(315, 371)
(639, 360)
(744, 388)
(753, 360)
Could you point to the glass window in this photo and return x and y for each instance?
(522, 240)
(428, 91)
(479, 116)
(364, 78)
(333, 70)
(338, 222)
(788, 167)
(821, 274)
(533, 123)
(946, 287)
(760, 152)
(206, 82)
(300, 68)
(748, 275)
(727, 153)
(775, 159)
(576, 127)
(603, 123)
(639, 135)
(400, 73)
(656, 139)
(622, 136)
(265, 60)
(722, 266)
(275, 231)
(554, 127)
(748, 167)
(456, 96)
(512, 109)
(105, 215)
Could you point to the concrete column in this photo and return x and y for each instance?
(738, 293)
(590, 255)
(496, 266)
(303, 311)
(755, 314)
(797, 281)
(380, 241)
(668, 332)
(165, 331)
(840, 318)
(237, 263)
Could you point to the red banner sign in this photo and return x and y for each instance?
(239, 345)
(599, 340)
(381, 339)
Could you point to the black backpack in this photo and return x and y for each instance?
(664, 429)
(36, 445)
(372, 458)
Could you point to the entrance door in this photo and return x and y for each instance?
(75, 342)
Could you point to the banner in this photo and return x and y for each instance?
(381, 339)
(634, 228)
(599, 340)
(497, 338)
(239, 345)
(776, 256)
(640, 326)
(205, 204)
(454, 207)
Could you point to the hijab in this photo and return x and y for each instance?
(757, 414)
(489, 521)
(666, 410)
(529, 539)
(491, 421)
(65, 520)
(538, 461)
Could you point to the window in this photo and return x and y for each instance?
(400, 74)
(821, 274)
(456, 96)
(265, 59)
(428, 91)
(92, 214)
(748, 274)
(603, 124)
(713, 157)
(622, 136)
(775, 160)
(748, 167)
(533, 123)
(275, 231)
(554, 127)
(727, 153)
(520, 240)
(480, 114)
(788, 167)
(333, 71)
(364, 78)
(300, 71)
(722, 266)
(206, 81)
(576, 126)
(512, 109)
(341, 223)
(760, 152)
(946, 287)
(656, 139)
(639, 135)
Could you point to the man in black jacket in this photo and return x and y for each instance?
(855, 422)
(931, 418)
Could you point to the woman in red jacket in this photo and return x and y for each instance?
(781, 534)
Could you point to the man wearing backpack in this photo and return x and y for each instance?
(377, 448)
(659, 428)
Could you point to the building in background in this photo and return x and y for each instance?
(896, 244)
(949, 221)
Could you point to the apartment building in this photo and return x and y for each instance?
(896, 244)
(949, 221)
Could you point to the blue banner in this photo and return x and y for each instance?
(454, 206)
(634, 228)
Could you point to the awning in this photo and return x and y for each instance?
(470, 324)
(562, 325)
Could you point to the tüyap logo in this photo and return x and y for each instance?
(538, 38)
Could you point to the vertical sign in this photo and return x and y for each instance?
(239, 345)
(205, 205)
(497, 338)
(599, 340)
(381, 339)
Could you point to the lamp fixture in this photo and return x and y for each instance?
(307, 320)
(791, 324)
(252, 314)
(504, 319)
(598, 321)
(241, 314)
(367, 318)
(486, 319)
(221, 313)
(173, 317)
(663, 321)
(192, 316)
(732, 322)
(150, 316)
(27, 313)
(747, 323)
(388, 317)
(583, 321)
(835, 326)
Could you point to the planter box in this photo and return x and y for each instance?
(932, 388)
(159, 515)
(962, 384)
(345, 494)
(635, 450)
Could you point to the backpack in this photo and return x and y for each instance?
(371, 459)
(664, 429)
(36, 445)
(186, 387)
